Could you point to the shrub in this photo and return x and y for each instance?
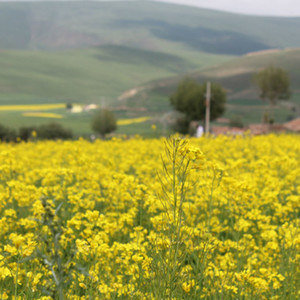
(26, 132)
(181, 125)
(236, 121)
(54, 131)
(104, 122)
(69, 106)
(7, 134)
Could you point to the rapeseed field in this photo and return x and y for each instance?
(31, 107)
(42, 115)
(208, 218)
(132, 121)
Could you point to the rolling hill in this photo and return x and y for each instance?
(140, 24)
(87, 75)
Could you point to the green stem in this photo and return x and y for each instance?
(210, 203)
(16, 283)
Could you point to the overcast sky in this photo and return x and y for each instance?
(256, 7)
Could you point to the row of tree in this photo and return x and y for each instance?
(52, 131)
(104, 122)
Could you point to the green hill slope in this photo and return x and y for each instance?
(87, 75)
(236, 75)
(142, 24)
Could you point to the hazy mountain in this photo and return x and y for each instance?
(140, 24)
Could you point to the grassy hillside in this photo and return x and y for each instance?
(89, 75)
(141, 24)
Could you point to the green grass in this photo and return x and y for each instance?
(296, 98)
(255, 115)
(247, 102)
(80, 124)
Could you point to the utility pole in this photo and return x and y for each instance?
(207, 112)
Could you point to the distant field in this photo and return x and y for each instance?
(156, 111)
(80, 123)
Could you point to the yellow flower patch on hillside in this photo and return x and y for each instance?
(132, 121)
(32, 107)
(42, 115)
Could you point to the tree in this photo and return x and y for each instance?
(274, 84)
(104, 122)
(190, 99)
